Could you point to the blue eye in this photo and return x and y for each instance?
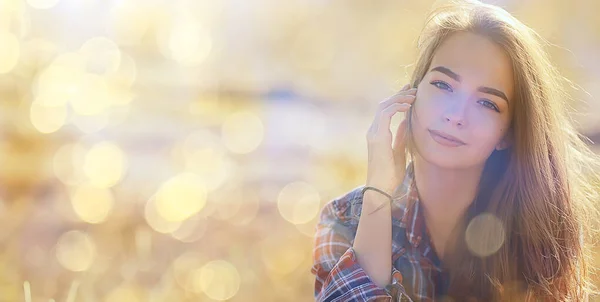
(485, 102)
(442, 85)
(489, 104)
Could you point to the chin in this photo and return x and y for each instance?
(445, 160)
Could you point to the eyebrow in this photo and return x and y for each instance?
(457, 78)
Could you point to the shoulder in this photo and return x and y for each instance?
(335, 231)
(342, 205)
(345, 207)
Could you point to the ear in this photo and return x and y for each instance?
(506, 142)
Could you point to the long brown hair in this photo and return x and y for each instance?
(543, 189)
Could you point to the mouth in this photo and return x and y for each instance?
(445, 139)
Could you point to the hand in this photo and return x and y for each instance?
(387, 163)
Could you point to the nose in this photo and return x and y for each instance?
(455, 112)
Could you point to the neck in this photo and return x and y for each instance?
(445, 195)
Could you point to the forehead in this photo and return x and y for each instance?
(477, 60)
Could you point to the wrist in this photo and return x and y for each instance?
(373, 200)
(388, 188)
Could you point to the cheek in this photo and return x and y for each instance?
(487, 132)
(426, 108)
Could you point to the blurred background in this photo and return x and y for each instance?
(156, 150)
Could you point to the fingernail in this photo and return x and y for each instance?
(405, 87)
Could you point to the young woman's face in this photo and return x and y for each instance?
(466, 93)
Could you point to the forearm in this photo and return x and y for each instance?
(373, 241)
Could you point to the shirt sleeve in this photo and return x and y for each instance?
(339, 277)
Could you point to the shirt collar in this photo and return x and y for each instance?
(413, 217)
(406, 197)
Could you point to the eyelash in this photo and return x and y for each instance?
(492, 105)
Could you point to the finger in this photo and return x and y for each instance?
(407, 96)
(385, 116)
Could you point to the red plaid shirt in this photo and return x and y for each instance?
(416, 271)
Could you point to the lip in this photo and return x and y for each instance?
(445, 139)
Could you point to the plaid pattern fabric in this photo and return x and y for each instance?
(416, 271)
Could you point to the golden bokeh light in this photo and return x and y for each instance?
(219, 280)
(126, 73)
(298, 202)
(57, 84)
(191, 229)
(70, 61)
(242, 132)
(47, 119)
(210, 12)
(281, 260)
(90, 123)
(183, 268)
(143, 243)
(121, 112)
(120, 97)
(91, 95)
(105, 164)
(40, 51)
(126, 294)
(209, 108)
(248, 210)
(203, 154)
(68, 163)
(10, 51)
(75, 251)
(42, 4)
(228, 203)
(308, 229)
(92, 204)
(10, 6)
(181, 197)
(200, 139)
(156, 221)
(102, 56)
(185, 40)
(485, 235)
(211, 164)
(130, 20)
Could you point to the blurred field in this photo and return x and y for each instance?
(156, 150)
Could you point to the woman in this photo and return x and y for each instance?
(487, 192)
